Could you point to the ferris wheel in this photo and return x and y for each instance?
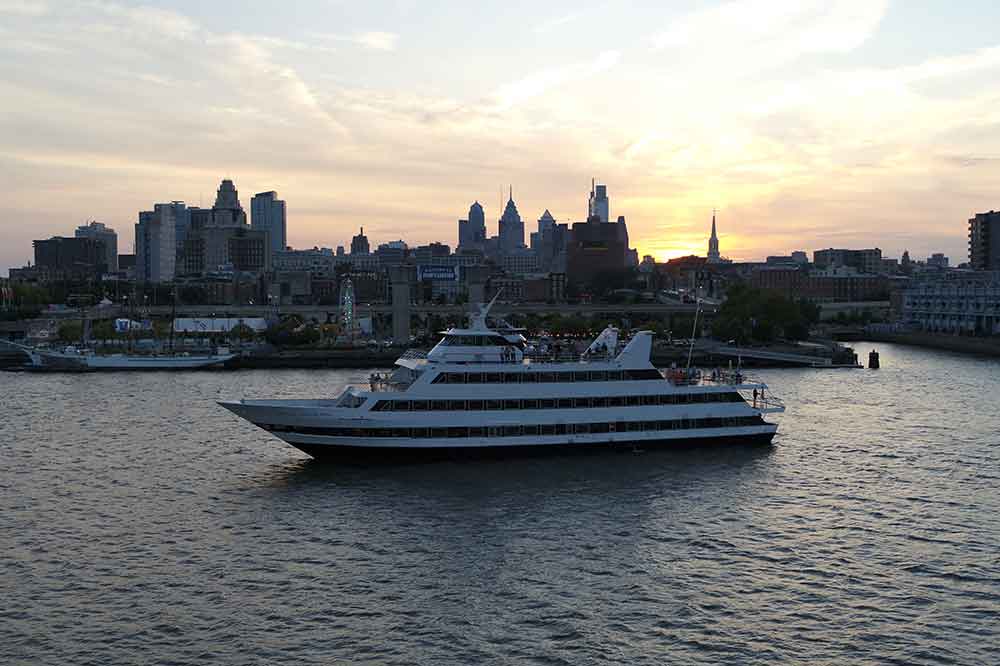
(347, 318)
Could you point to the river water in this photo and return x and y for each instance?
(141, 523)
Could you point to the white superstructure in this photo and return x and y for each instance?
(483, 390)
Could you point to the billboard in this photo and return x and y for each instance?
(437, 273)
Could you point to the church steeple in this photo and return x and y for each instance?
(713, 243)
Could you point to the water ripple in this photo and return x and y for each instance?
(142, 524)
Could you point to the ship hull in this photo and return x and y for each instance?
(92, 363)
(363, 455)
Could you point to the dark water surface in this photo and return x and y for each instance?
(141, 523)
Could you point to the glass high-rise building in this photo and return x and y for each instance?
(267, 213)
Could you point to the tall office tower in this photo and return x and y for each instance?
(472, 232)
(106, 235)
(156, 245)
(511, 227)
(598, 205)
(227, 211)
(267, 213)
(359, 243)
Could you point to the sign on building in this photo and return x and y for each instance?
(437, 273)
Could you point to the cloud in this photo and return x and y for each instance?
(519, 91)
(379, 41)
(762, 33)
(562, 20)
(374, 40)
(24, 7)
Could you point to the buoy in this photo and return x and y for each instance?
(873, 360)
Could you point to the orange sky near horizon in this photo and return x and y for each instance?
(807, 124)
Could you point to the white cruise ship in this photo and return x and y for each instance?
(484, 391)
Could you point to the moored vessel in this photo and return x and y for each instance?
(73, 359)
(484, 391)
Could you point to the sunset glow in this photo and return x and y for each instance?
(807, 124)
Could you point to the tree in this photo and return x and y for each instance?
(70, 331)
(760, 316)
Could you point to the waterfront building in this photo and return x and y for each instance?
(61, 258)
(511, 227)
(834, 284)
(521, 261)
(984, 241)
(363, 262)
(248, 250)
(126, 266)
(937, 260)
(105, 234)
(392, 253)
(359, 243)
(957, 302)
(321, 261)
(796, 258)
(156, 245)
(267, 213)
(863, 261)
(596, 249)
(889, 266)
(430, 254)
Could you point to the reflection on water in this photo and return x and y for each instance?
(142, 523)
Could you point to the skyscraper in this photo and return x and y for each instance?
(599, 205)
(156, 245)
(984, 241)
(472, 232)
(359, 243)
(227, 211)
(267, 213)
(511, 227)
(546, 221)
(713, 245)
(598, 248)
(107, 235)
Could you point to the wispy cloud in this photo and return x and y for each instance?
(538, 83)
(24, 7)
(375, 40)
(768, 32)
(562, 20)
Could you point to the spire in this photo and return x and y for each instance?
(713, 244)
(511, 196)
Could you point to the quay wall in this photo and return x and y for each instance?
(955, 343)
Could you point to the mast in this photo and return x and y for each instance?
(694, 329)
(173, 318)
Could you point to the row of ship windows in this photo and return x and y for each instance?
(524, 430)
(475, 341)
(552, 403)
(532, 377)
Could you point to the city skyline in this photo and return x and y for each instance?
(807, 125)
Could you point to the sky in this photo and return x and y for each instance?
(806, 124)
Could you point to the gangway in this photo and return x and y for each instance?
(807, 360)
